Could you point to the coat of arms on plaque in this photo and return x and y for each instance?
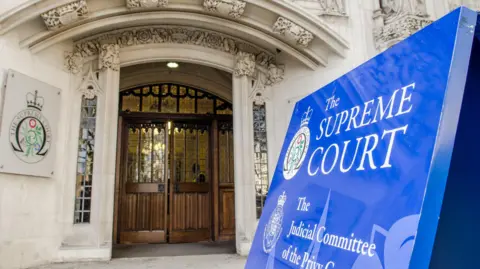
(30, 133)
(297, 150)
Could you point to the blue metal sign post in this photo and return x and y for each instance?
(362, 174)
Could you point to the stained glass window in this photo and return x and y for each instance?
(172, 98)
(86, 145)
(261, 155)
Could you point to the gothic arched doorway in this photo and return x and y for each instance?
(175, 169)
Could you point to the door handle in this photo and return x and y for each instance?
(161, 188)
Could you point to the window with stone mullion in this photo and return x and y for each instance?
(84, 169)
(260, 155)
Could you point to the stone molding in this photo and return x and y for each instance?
(232, 8)
(65, 14)
(244, 64)
(397, 30)
(176, 35)
(90, 85)
(109, 57)
(146, 3)
(292, 32)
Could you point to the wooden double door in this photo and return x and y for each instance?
(175, 181)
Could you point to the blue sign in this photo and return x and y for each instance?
(363, 170)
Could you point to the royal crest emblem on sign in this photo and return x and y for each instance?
(30, 133)
(273, 229)
(297, 150)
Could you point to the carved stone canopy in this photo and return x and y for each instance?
(232, 8)
(90, 86)
(66, 14)
(292, 32)
(146, 3)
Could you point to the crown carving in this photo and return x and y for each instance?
(306, 116)
(282, 199)
(34, 101)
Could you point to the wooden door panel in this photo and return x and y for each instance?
(158, 212)
(190, 184)
(227, 214)
(226, 192)
(143, 207)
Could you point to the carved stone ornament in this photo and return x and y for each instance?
(396, 20)
(324, 7)
(333, 7)
(64, 15)
(245, 64)
(259, 93)
(146, 3)
(73, 62)
(275, 74)
(175, 35)
(90, 86)
(292, 32)
(109, 57)
(232, 8)
(398, 30)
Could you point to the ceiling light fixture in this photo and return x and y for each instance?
(172, 65)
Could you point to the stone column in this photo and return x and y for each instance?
(245, 219)
(109, 78)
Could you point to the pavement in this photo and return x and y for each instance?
(230, 261)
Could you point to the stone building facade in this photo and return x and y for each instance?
(253, 58)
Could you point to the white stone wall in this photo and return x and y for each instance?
(36, 215)
(29, 229)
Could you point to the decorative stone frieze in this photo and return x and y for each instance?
(245, 64)
(275, 74)
(90, 86)
(146, 3)
(397, 20)
(173, 34)
(73, 62)
(292, 32)
(232, 8)
(109, 57)
(65, 14)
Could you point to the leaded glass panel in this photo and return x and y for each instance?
(261, 155)
(86, 146)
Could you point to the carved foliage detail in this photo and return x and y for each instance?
(73, 62)
(146, 3)
(232, 8)
(397, 20)
(109, 57)
(275, 74)
(245, 64)
(65, 14)
(398, 30)
(177, 35)
(292, 31)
